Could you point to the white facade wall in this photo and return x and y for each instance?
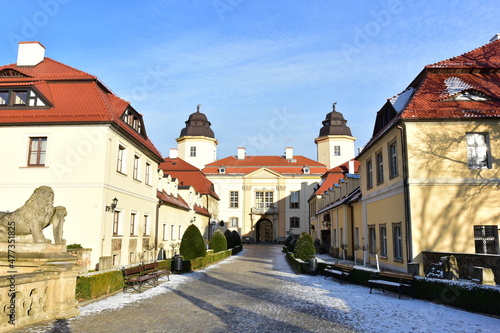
(80, 166)
(206, 150)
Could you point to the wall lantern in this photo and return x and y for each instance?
(193, 219)
(312, 227)
(113, 205)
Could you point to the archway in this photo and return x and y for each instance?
(264, 231)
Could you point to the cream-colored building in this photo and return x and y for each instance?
(430, 174)
(63, 128)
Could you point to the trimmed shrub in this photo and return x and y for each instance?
(288, 240)
(74, 246)
(304, 247)
(97, 285)
(211, 258)
(218, 242)
(236, 237)
(291, 245)
(192, 243)
(229, 239)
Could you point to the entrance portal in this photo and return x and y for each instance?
(264, 230)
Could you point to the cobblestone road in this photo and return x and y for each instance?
(243, 295)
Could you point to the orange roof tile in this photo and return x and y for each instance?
(172, 200)
(74, 97)
(334, 175)
(278, 164)
(188, 174)
(202, 210)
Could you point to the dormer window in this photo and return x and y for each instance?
(222, 170)
(20, 97)
(133, 119)
(306, 170)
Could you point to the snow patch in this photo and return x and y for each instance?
(454, 85)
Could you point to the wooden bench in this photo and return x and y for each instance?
(135, 278)
(391, 281)
(338, 270)
(152, 269)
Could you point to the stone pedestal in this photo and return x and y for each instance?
(450, 268)
(482, 275)
(37, 283)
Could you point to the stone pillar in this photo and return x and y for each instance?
(450, 268)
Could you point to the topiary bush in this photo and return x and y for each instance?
(218, 242)
(229, 239)
(192, 243)
(291, 244)
(236, 238)
(304, 247)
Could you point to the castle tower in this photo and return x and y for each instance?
(197, 144)
(335, 144)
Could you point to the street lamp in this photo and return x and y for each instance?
(112, 207)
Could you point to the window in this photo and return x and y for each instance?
(37, 152)
(398, 241)
(369, 174)
(131, 258)
(147, 176)
(264, 199)
(294, 199)
(116, 223)
(393, 160)
(233, 222)
(133, 224)
(380, 167)
(294, 222)
(25, 97)
(164, 231)
(478, 150)
(383, 240)
(120, 167)
(486, 239)
(180, 232)
(372, 240)
(336, 151)
(192, 152)
(233, 199)
(145, 231)
(137, 162)
(172, 232)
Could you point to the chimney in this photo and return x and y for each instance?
(174, 153)
(351, 167)
(30, 53)
(289, 153)
(495, 38)
(241, 153)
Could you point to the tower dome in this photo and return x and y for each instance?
(197, 125)
(334, 124)
(335, 143)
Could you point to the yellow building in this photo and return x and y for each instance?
(430, 173)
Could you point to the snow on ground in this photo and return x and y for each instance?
(377, 312)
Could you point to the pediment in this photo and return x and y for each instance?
(263, 173)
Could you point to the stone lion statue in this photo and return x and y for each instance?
(37, 213)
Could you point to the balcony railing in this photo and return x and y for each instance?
(263, 209)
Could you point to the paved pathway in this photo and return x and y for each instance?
(243, 295)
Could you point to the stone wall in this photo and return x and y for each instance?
(466, 262)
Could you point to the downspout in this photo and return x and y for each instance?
(406, 191)
(352, 230)
(157, 226)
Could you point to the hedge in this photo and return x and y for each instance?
(210, 258)
(468, 296)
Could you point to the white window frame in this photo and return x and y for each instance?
(383, 240)
(233, 222)
(478, 150)
(121, 163)
(234, 199)
(397, 236)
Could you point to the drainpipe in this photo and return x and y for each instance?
(406, 191)
(157, 226)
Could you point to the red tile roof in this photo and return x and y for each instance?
(171, 200)
(334, 175)
(188, 174)
(277, 164)
(486, 56)
(432, 94)
(202, 210)
(74, 97)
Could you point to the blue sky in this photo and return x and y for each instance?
(265, 72)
